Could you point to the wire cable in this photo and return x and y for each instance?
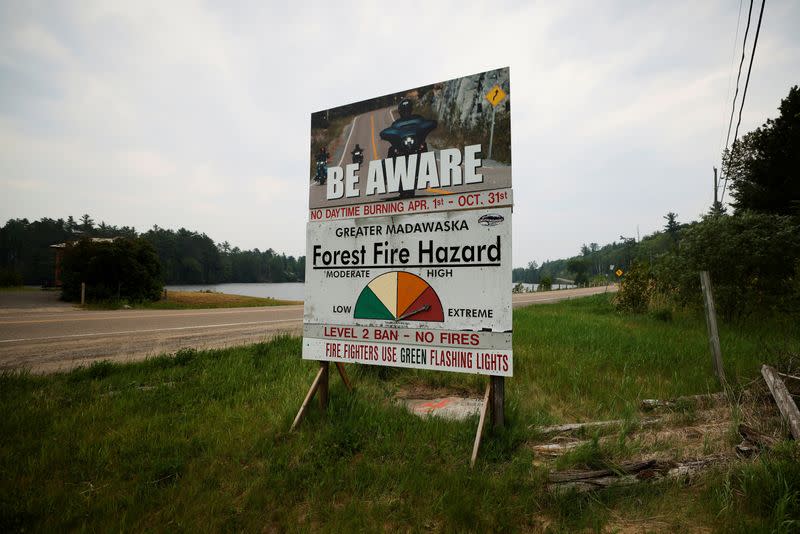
(746, 83)
(730, 73)
(739, 75)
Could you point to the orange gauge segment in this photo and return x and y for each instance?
(409, 287)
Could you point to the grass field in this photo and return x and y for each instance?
(200, 441)
(17, 289)
(180, 300)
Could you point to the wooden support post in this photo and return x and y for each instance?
(83, 293)
(310, 395)
(343, 374)
(711, 323)
(323, 384)
(783, 399)
(481, 422)
(498, 398)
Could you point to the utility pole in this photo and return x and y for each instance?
(716, 187)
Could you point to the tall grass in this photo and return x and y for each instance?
(199, 441)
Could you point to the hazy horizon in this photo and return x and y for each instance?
(187, 115)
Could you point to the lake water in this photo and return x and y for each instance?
(535, 287)
(287, 291)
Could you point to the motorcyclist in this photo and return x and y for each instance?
(322, 164)
(404, 109)
(407, 135)
(358, 154)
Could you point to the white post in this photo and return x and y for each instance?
(491, 133)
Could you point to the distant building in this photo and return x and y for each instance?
(61, 247)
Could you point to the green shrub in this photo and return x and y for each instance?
(636, 289)
(545, 284)
(751, 258)
(598, 280)
(10, 278)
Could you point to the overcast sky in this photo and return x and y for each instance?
(197, 114)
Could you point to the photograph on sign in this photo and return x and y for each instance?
(445, 138)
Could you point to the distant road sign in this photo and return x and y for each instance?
(495, 95)
(618, 272)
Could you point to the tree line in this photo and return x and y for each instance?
(185, 256)
(596, 265)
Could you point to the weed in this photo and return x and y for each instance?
(213, 452)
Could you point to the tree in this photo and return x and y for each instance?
(87, 223)
(672, 225)
(25, 248)
(764, 165)
(579, 266)
(70, 226)
(751, 257)
(122, 268)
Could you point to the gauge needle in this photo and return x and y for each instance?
(418, 310)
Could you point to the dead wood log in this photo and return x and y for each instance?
(625, 474)
(703, 400)
(572, 427)
(557, 449)
(575, 427)
(763, 441)
(627, 468)
(783, 399)
(690, 468)
(792, 383)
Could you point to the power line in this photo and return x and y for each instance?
(739, 75)
(730, 72)
(746, 83)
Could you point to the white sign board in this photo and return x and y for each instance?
(408, 244)
(384, 280)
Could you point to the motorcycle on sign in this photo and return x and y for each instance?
(407, 136)
(358, 155)
(322, 171)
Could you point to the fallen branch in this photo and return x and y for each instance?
(763, 441)
(793, 381)
(653, 404)
(586, 476)
(626, 474)
(574, 427)
(753, 442)
(557, 449)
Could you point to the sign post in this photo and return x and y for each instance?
(408, 248)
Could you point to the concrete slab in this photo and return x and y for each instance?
(453, 408)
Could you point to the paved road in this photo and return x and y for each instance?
(56, 337)
(364, 130)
